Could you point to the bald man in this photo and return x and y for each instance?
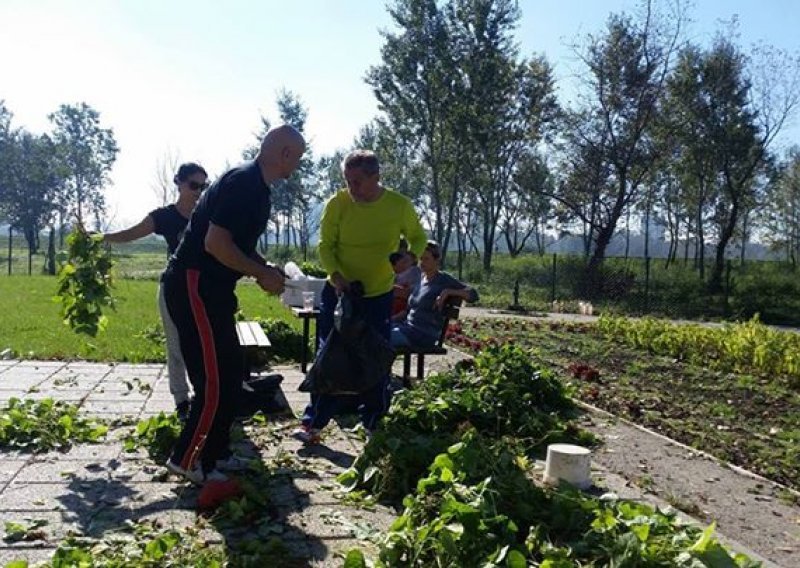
(218, 248)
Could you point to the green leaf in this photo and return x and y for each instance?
(705, 539)
(355, 559)
(516, 559)
(641, 531)
(348, 478)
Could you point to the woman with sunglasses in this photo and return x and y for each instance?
(170, 222)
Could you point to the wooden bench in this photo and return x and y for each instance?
(254, 343)
(451, 312)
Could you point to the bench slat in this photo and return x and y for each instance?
(251, 334)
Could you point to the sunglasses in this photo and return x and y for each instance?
(196, 185)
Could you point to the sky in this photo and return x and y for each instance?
(191, 78)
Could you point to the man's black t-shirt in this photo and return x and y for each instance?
(239, 201)
(170, 224)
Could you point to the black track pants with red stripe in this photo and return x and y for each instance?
(204, 312)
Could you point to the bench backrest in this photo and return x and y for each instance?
(451, 311)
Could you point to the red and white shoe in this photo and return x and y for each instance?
(309, 436)
(196, 475)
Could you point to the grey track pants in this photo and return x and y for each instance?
(176, 369)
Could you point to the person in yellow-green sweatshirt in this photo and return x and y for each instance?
(361, 226)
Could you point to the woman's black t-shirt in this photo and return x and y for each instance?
(170, 224)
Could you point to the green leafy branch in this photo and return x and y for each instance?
(85, 283)
(44, 425)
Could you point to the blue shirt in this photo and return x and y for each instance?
(424, 320)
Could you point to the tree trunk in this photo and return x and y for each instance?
(627, 233)
(591, 285)
(604, 235)
(715, 282)
(700, 254)
(745, 219)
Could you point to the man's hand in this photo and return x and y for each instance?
(272, 280)
(341, 284)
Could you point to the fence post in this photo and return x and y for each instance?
(647, 285)
(726, 305)
(553, 280)
(10, 237)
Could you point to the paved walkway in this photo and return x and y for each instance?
(95, 488)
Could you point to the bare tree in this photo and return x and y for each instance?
(163, 184)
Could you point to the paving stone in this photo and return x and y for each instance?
(41, 364)
(6, 395)
(321, 521)
(57, 527)
(11, 382)
(136, 469)
(140, 370)
(124, 383)
(89, 367)
(54, 470)
(69, 379)
(318, 492)
(116, 419)
(159, 406)
(77, 499)
(99, 452)
(33, 555)
(28, 374)
(71, 396)
(112, 406)
(162, 395)
(9, 468)
(124, 397)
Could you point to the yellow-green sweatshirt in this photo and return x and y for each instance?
(357, 238)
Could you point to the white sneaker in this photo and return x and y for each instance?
(196, 474)
(233, 463)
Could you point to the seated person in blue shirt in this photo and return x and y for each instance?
(425, 318)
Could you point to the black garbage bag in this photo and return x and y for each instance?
(354, 358)
(261, 393)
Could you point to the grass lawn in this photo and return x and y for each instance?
(31, 325)
(749, 419)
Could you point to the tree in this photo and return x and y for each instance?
(164, 187)
(751, 108)
(627, 70)
(694, 158)
(414, 85)
(6, 145)
(728, 109)
(33, 177)
(528, 207)
(783, 212)
(507, 104)
(301, 192)
(585, 188)
(293, 203)
(86, 153)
